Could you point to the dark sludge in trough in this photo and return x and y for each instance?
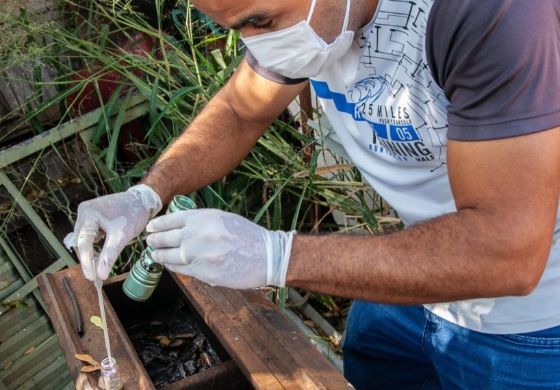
(170, 338)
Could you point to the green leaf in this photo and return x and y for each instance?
(96, 320)
(114, 138)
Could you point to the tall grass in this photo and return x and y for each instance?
(187, 62)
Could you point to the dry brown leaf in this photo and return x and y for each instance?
(29, 350)
(90, 368)
(84, 357)
(8, 365)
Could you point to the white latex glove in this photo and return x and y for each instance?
(220, 248)
(121, 217)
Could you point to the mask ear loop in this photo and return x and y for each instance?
(311, 9)
(347, 16)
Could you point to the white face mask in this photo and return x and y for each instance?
(297, 51)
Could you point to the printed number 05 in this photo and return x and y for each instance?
(403, 133)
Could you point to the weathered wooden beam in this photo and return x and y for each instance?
(25, 364)
(35, 220)
(60, 311)
(21, 269)
(137, 107)
(11, 289)
(69, 386)
(31, 285)
(266, 345)
(17, 318)
(13, 348)
(49, 377)
(268, 348)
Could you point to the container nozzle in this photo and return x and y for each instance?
(146, 273)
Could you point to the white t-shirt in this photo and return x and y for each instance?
(388, 101)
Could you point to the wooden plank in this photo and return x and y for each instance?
(36, 368)
(5, 267)
(226, 376)
(11, 288)
(319, 342)
(17, 77)
(31, 285)
(28, 365)
(58, 378)
(45, 378)
(35, 219)
(19, 266)
(69, 386)
(271, 352)
(13, 316)
(60, 311)
(137, 107)
(31, 336)
(252, 363)
(20, 319)
(13, 259)
(265, 344)
(9, 98)
(7, 278)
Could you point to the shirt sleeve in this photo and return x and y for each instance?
(498, 63)
(268, 74)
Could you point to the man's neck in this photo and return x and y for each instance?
(370, 8)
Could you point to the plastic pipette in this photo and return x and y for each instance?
(98, 285)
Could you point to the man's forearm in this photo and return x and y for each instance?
(211, 147)
(457, 256)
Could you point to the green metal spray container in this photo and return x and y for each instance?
(146, 273)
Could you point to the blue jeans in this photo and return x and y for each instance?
(408, 347)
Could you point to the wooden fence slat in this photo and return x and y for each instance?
(23, 336)
(137, 107)
(7, 278)
(35, 219)
(31, 285)
(56, 378)
(11, 288)
(13, 259)
(25, 367)
(45, 378)
(13, 316)
(69, 386)
(24, 319)
(32, 339)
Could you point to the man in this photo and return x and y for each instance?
(450, 109)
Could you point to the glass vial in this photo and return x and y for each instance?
(110, 378)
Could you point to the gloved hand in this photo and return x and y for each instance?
(220, 248)
(121, 216)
